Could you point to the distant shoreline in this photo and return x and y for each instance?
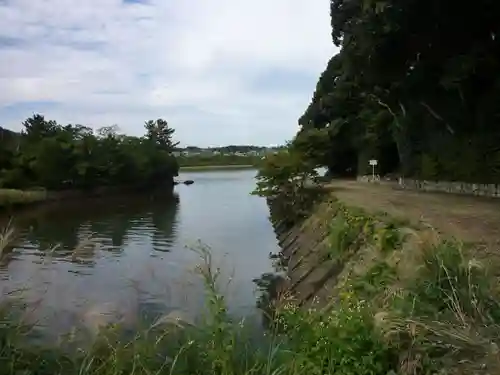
(215, 167)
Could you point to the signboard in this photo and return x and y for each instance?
(373, 162)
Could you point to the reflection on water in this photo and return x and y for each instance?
(131, 255)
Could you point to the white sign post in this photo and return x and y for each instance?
(373, 163)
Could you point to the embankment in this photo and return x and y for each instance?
(428, 294)
(322, 252)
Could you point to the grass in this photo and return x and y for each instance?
(14, 197)
(215, 167)
(422, 306)
(433, 301)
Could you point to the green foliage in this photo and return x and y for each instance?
(342, 340)
(449, 282)
(284, 172)
(388, 238)
(434, 304)
(58, 157)
(160, 134)
(399, 89)
(343, 233)
(290, 184)
(313, 144)
(380, 276)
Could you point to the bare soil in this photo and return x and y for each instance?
(468, 218)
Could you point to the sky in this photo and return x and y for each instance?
(220, 71)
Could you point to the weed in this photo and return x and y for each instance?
(387, 238)
(341, 340)
(345, 229)
(375, 280)
(449, 281)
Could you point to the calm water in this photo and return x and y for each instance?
(139, 260)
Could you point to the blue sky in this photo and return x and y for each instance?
(220, 71)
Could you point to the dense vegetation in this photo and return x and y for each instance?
(53, 156)
(415, 85)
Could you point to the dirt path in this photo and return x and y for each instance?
(474, 219)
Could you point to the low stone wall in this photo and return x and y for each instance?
(453, 187)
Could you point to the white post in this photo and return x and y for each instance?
(373, 163)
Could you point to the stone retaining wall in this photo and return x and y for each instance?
(453, 187)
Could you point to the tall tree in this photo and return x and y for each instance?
(426, 89)
(161, 134)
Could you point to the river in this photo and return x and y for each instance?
(135, 253)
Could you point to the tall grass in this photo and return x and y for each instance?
(433, 302)
(298, 342)
(438, 313)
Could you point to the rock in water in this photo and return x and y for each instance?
(188, 182)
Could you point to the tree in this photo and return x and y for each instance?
(108, 131)
(36, 127)
(71, 156)
(424, 89)
(289, 181)
(161, 134)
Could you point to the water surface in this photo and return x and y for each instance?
(134, 252)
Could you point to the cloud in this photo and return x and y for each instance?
(220, 71)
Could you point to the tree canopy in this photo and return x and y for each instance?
(415, 85)
(47, 154)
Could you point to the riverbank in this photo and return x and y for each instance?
(431, 284)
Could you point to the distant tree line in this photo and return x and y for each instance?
(224, 149)
(214, 160)
(416, 85)
(54, 156)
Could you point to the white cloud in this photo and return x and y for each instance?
(192, 62)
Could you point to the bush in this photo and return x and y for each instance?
(291, 186)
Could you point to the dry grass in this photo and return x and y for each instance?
(442, 308)
(470, 219)
(433, 299)
(7, 238)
